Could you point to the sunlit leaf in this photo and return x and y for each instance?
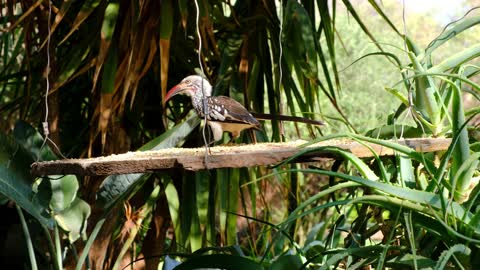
(74, 219)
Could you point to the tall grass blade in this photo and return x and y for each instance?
(28, 239)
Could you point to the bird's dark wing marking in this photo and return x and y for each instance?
(226, 109)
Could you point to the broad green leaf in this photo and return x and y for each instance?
(116, 188)
(230, 51)
(166, 19)
(109, 71)
(300, 35)
(64, 191)
(106, 51)
(174, 209)
(74, 219)
(395, 131)
(16, 182)
(195, 234)
(223, 180)
(173, 136)
(188, 211)
(110, 20)
(232, 205)
(31, 139)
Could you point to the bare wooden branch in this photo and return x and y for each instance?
(221, 157)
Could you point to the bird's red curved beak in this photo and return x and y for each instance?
(177, 89)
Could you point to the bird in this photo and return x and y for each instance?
(223, 113)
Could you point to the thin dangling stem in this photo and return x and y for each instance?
(46, 131)
(204, 96)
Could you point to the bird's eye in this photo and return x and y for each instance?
(187, 81)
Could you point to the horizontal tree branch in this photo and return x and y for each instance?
(238, 156)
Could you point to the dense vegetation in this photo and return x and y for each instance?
(95, 72)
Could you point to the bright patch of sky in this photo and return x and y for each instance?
(444, 11)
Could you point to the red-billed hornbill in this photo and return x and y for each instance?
(223, 113)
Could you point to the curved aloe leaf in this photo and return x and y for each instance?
(445, 256)
(451, 32)
(464, 176)
(117, 187)
(363, 169)
(461, 151)
(412, 195)
(222, 261)
(425, 91)
(456, 59)
(408, 260)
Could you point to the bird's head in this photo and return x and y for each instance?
(190, 86)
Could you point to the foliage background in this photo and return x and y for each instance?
(108, 74)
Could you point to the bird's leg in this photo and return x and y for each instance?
(233, 136)
(252, 136)
(232, 140)
(211, 143)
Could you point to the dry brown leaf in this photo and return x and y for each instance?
(84, 69)
(81, 16)
(58, 18)
(164, 45)
(105, 114)
(24, 15)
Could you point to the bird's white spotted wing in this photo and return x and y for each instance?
(225, 109)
